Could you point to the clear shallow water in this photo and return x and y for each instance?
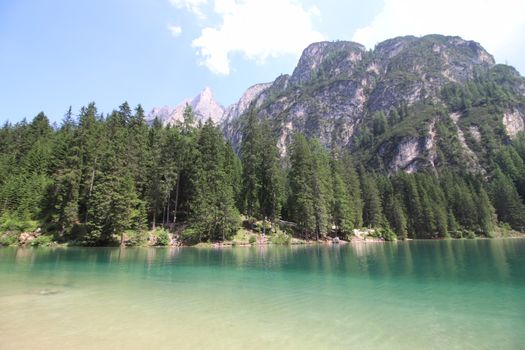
(412, 295)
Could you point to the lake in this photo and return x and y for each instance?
(461, 294)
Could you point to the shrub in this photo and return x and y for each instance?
(137, 238)
(41, 241)
(280, 238)
(252, 239)
(388, 234)
(78, 232)
(11, 223)
(190, 235)
(9, 239)
(163, 238)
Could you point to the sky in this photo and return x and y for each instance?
(60, 53)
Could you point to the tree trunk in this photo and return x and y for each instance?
(168, 212)
(176, 198)
(91, 186)
(154, 218)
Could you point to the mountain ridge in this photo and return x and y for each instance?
(338, 89)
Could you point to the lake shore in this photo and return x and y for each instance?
(243, 238)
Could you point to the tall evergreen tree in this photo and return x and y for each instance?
(301, 201)
(507, 201)
(341, 207)
(214, 215)
(271, 178)
(372, 211)
(251, 165)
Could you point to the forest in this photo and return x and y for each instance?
(95, 179)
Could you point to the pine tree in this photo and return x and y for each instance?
(486, 212)
(351, 180)
(91, 145)
(214, 215)
(114, 205)
(341, 207)
(63, 195)
(234, 172)
(137, 155)
(251, 165)
(301, 201)
(271, 179)
(398, 219)
(393, 208)
(507, 201)
(322, 187)
(372, 211)
(405, 186)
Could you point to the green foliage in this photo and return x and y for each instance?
(213, 209)
(137, 238)
(387, 234)
(42, 241)
(300, 176)
(163, 237)
(8, 239)
(280, 238)
(507, 202)
(10, 222)
(191, 235)
(99, 178)
(252, 240)
(372, 210)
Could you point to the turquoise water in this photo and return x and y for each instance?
(407, 295)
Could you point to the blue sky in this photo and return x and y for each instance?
(57, 53)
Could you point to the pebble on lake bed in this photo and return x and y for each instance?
(49, 291)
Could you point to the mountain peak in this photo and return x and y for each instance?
(204, 106)
(206, 93)
(326, 54)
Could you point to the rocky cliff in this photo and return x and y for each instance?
(407, 104)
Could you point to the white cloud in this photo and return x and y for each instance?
(256, 29)
(175, 30)
(498, 25)
(193, 6)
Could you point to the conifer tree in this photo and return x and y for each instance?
(251, 165)
(90, 147)
(507, 201)
(372, 211)
(341, 207)
(322, 187)
(351, 180)
(63, 194)
(271, 179)
(301, 201)
(214, 215)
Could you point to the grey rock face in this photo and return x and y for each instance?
(337, 86)
(514, 121)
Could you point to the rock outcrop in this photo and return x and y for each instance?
(338, 87)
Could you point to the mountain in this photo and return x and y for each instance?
(408, 104)
(204, 106)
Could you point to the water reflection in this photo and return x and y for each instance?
(465, 260)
